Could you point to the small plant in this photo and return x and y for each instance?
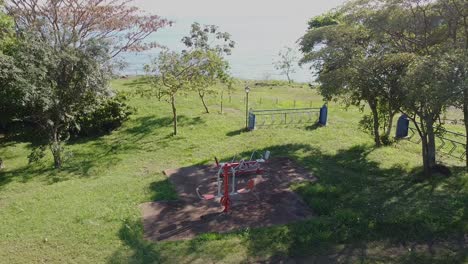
(37, 154)
(108, 115)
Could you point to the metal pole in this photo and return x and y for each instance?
(246, 110)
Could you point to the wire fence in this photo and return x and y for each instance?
(448, 143)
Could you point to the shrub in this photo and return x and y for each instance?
(108, 114)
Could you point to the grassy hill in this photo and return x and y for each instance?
(368, 206)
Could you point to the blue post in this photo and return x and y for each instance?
(323, 115)
(402, 127)
(251, 121)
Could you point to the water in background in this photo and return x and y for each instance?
(258, 41)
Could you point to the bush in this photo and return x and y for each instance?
(109, 114)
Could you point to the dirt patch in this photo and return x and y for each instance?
(270, 203)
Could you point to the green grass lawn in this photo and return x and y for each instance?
(368, 206)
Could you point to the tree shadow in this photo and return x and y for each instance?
(97, 152)
(314, 126)
(141, 251)
(236, 132)
(163, 190)
(24, 174)
(136, 82)
(147, 124)
(357, 203)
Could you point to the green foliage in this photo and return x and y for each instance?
(209, 44)
(106, 115)
(172, 74)
(6, 27)
(37, 154)
(397, 56)
(357, 67)
(329, 19)
(49, 87)
(286, 62)
(208, 38)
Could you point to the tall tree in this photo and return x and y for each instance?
(63, 23)
(176, 73)
(356, 67)
(65, 56)
(54, 86)
(8, 102)
(286, 63)
(6, 25)
(216, 44)
(455, 17)
(430, 87)
(416, 27)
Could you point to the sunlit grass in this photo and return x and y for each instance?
(88, 212)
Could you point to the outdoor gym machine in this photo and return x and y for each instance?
(231, 169)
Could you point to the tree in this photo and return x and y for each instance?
(8, 102)
(286, 63)
(434, 77)
(64, 23)
(356, 67)
(6, 26)
(209, 40)
(64, 60)
(214, 71)
(175, 73)
(430, 89)
(455, 16)
(55, 85)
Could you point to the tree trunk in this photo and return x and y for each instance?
(375, 117)
(289, 79)
(465, 118)
(431, 146)
(428, 147)
(159, 94)
(221, 102)
(202, 97)
(174, 114)
(390, 124)
(426, 165)
(56, 149)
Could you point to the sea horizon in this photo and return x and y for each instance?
(258, 42)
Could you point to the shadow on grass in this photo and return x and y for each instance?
(95, 154)
(141, 251)
(163, 190)
(314, 126)
(147, 124)
(136, 82)
(358, 204)
(236, 132)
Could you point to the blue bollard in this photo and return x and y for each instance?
(402, 127)
(323, 115)
(251, 121)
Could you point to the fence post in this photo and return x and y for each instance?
(251, 125)
(402, 127)
(323, 115)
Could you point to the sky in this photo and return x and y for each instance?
(261, 28)
(299, 9)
